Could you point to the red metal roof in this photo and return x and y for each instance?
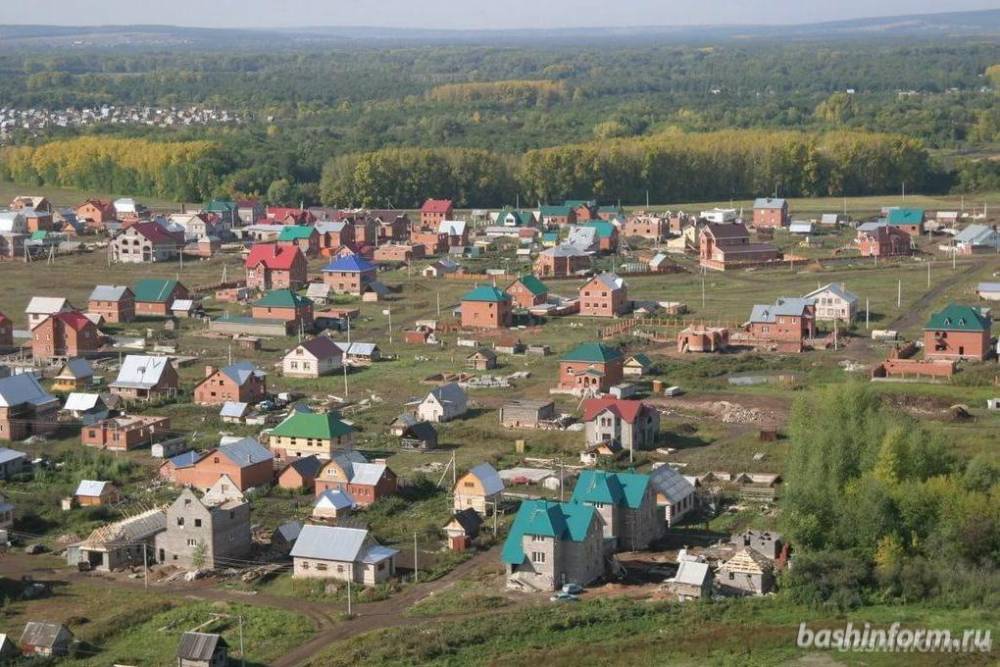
(626, 410)
(273, 256)
(74, 319)
(154, 232)
(436, 206)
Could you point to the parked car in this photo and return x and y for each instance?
(564, 597)
(572, 589)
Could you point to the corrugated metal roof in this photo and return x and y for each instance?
(199, 646)
(377, 553)
(335, 499)
(21, 389)
(330, 543)
(46, 305)
(692, 573)
(488, 477)
(245, 452)
(141, 371)
(44, 634)
(90, 487)
(670, 484)
(791, 307)
(81, 402)
(367, 474)
(233, 409)
(241, 372)
(108, 293)
(7, 455)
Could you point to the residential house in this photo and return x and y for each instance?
(11, 461)
(91, 493)
(393, 226)
(45, 639)
(121, 544)
(527, 292)
(551, 544)
(154, 297)
(342, 554)
(462, 529)
(456, 231)
(204, 534)
(242, 382)
(604, 295)
(435, 211)
(632, 424)
(585, 209)
(785, 326)
(483, 359)
(348, 471)
(977, 239)
(607, 235)
(335, 504)
(115, 303)
(764, 542)
(486, 307)
(96, 213)
(561, 261)
(626, 503)
(443, 404)
(591, 368)
(834, 302)
(420, 436)
(650, 227)
(883, 241)
(26, 409)
(349, 274)
(302, 434)
(480, 489)
(300, 473)
(250, 211)
(306, 239)
(284, 305)
(246, 462)
(202, 649)
(226, 210)
(289, 216)
(909, 220)
(274, 266)
(674, 493)
(197, 225)
(73, 375)
(125, 433)
(438, 268)
(727, 245)
(746, 573)
(65, 334)
(313, 358)
(957, 333)
(36, 202)
(525, 413)
(145, 242)
(400, 253)
(145, 378)
(638, 365)
(770, 212)
(558, 215)
(87, 409)
(41, 307)
(584, 238)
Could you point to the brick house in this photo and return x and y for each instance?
(241, 382)
(399, 252)
(287, 306)
(770, 212)
(551, 544)
(561, 261)
(67, 334)
(958, 332)
(302, 434)
(125, 433)
(584, 209)
(302, 237)
(605, 295)
(607, 235)
(145, 242)
(145, 377)
(249, 211)
(246, 462)
(631, 424)
(95, 213)
(626, 503)
(785, 325)
(527, 292)
(591, 367)
(909, 220)
(284, 215)
(115, 303)
(275, 266)
(725, 245)
(433, 241)
(339, 553)
(6, 332)
(883, 241)
(201, 533)
(349, 472)
(334, 235)
(834, 302)
(645, 226)
(154, 297)
(486, 307)
(349, 275)
(434, 211)
(26, 409)
(393, 226)
(300, 473)
(558, 215)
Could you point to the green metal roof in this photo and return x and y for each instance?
(592, 353)
(604, 228)
(557, 210)
(642, 359)
(154, 290)
(312, 425)
(617, 488)
(956, 317)
(295, 233)
(562, 521)
(220, 205)
(486, 293)
(533, 284)
(905, 216)
(282, 298)
(577, 203)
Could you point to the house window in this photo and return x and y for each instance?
(192, 543)
(321, 567)
(537, 557)
(197, 523)
(180, 521)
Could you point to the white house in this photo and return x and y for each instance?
(333, 552)
(834, 302)
(41, 307)
(478, 489)
(674, 493)
(333, 504)
(443, 403)
(313, 358)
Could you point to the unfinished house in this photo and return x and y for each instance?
(203, 535)
(121, 544)
(527, 413)
(746, 573)
(626, 503)
(702, 338)
(674, 493)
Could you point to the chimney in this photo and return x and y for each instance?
(209, 370)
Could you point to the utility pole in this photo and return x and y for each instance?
(344, 366)
(438, 303)
(703, 288)
(416, 569)
(561, 491)
(899, 293)
(866, 313)
(243, 660)
(350, 575)
(348, 318)
(928, 274)
(145, 568)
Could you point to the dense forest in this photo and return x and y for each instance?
(486, 124)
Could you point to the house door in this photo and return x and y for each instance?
(961, 349)
(163, 556)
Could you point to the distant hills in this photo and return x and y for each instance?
(985, 23)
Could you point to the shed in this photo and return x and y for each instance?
(202, 649)
(462, 529)
(44, 638)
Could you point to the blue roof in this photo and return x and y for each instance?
(242, 371)
(350, 263)
(187, 459)
(245, 452)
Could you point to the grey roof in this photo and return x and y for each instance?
(307, 466)
(81, 402)
(78, 368)
(988, 287)
(241, 372)
(791, 307)
(836, 289)
(141, 371)
(800, 228)
(233, 409)
(670, 484)
(289, 531)
(335, 498)
(317, 290)
(582, 237)
(134, 528)
(245, 451)
(981, 235)
(324, 226)
(377, 553)
(330, 543)
(108, 293)
(692, 573)
(90, 487)
(358, 349)
(7, 455)
(488, 477)
(565, 250)
(449, 393)
(367, 474)
(611, 280)
(199, 646)
(46, 304)
(44, 634)
(20, 389)
(829, 218)
(871, 226)
(451, 227)
(768, 202)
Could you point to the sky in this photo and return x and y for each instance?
(459, 14)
